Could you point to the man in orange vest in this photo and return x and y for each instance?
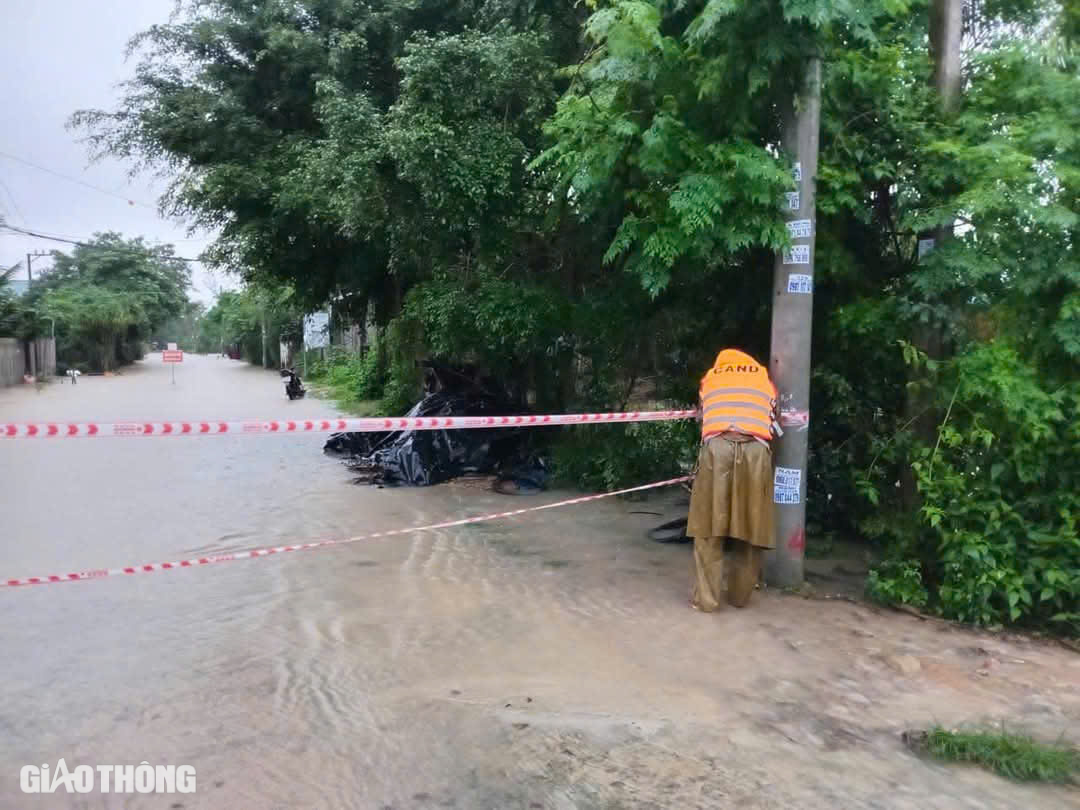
(733, 488)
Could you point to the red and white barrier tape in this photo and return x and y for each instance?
(101, 573)
(62, 430)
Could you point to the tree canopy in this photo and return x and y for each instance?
(586, 200)
(106, 298)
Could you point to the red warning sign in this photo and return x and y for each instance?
(172, 357)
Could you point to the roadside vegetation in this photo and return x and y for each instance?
(9, 312)
(347, 378)
(251, 323)
(1014, 756)
(104, 301)
(579, 198)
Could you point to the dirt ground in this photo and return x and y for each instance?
(799, 700)
(547, 662)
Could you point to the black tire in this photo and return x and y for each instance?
(674, 531)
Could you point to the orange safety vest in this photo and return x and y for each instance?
(737, 394)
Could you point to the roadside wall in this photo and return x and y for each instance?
(12, 361)
(45, 356)
(13, 357)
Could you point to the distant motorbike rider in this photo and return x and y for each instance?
(294, 388)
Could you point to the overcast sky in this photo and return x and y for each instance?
(60, 56)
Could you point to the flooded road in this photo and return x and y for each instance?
(546, 662)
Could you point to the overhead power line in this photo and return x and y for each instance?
(43, 232)
(76, 180)
(14, 203)
(84, 244)
(50, 233)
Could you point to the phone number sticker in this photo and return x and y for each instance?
(799, 228)
(800, 283)
(799, 254)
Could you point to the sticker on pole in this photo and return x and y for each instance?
(800, 283)
(796, 172)
(793, 203)
(799, 228)
(795, 419)
(786, 484)
(799, 254)
(172, 357)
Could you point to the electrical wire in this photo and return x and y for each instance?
(14, 203)
(83, 244)
(43, 232)
(158, 242)
(76, 180)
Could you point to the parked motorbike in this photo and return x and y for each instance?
(294, 389)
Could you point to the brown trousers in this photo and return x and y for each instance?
(742, 573)
(733, 491)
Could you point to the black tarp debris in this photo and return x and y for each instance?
(425, 457)
(525, 477)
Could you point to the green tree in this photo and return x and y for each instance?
(315, 135)
(107, 297)
(97, 318)
(9, 312)
(237, 319)
(995, 536)
(583, 199)
(183, 329)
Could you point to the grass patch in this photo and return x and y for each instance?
(624, 455)
(346, 400)
(344, 378)
(1014, 756)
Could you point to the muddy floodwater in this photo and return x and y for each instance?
(545, 662)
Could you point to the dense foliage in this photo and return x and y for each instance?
(182, 329)
(997, 538)
(8, 307)
(586, 202)
(252, 322)
(104, 300)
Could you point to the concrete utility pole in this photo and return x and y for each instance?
(946, 39)
(29, 283)
(793, 309)
(264, 338)
(29, 267)
(946, 42)
(946, 48)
